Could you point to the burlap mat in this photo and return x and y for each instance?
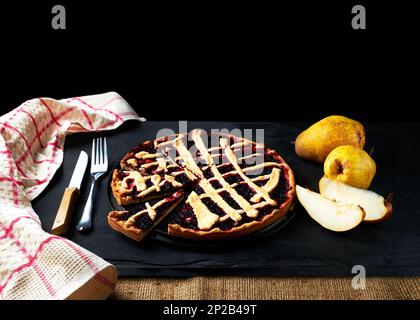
(265, 288)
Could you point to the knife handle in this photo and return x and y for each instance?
(62, 219)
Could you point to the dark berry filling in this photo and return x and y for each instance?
(174, 196)
(152, 167)
(225, 168)
(243, 164)
(280, 192)
(120, 174)
(152, 202)
(233, 178)
(262, 212)
(198, 190)
(172, 169)
(136, 207)
(149, 183)
(272, 156)
(190, 144)
(216, 184)
(227, 224)
(260, 183)
(212, 206)
(269, 158)
(143, 221)
(207, 173)
(141, 162)
(125, 215)
(162, 209)
(247, 164)
(183, 178)
(201, 162)
(185, 218)
(245, 191)
(129, 182)
(167, 188)
(267, 170)
(133, 192)
(230, 201)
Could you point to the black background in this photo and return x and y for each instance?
(291, 61)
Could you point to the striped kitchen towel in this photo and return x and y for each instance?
(33, 263)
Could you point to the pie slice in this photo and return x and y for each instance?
(145, 174)
(137, 223)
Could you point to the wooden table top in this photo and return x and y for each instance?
(265, 288)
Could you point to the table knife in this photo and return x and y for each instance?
(71, 193)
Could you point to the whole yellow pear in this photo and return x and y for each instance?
(316, 142)
(350, 165)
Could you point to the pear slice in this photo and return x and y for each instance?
(375, 206)
(332, 215)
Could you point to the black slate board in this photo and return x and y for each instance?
(302, 248)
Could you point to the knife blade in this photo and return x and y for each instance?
(71, 193)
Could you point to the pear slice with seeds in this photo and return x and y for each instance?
(375, 206)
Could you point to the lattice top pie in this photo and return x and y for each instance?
(230, 189)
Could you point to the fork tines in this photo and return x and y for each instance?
(99, 153)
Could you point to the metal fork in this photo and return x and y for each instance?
(98, 166)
